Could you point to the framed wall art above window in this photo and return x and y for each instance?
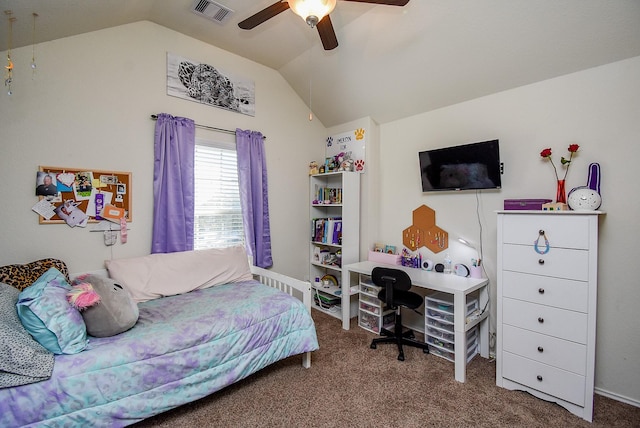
(206, 84)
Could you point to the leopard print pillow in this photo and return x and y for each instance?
(22, 276)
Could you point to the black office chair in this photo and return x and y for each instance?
(395, 293)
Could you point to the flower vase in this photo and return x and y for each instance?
(561, 193)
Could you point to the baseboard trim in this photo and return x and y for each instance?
(617, 397)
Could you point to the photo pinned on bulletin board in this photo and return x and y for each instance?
(71, 214)
(83, 185)
(121, 190)
(47, 185)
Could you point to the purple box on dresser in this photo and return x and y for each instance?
(525, 204)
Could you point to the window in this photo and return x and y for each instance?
(217, 214)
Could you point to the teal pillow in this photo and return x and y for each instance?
(47, 315)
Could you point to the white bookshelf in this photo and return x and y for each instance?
(332, 249)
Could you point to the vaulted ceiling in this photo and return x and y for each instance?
(391, 62)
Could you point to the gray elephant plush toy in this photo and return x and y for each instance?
(106, 306)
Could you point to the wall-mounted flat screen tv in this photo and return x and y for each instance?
(465, 167)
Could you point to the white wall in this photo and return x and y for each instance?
(88, 106)
(597, 109)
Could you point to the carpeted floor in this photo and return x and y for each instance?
(351, 385)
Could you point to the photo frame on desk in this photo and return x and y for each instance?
(78, 187)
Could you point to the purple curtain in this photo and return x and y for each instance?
(252, 177)
(173, 184)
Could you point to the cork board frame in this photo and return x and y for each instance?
(116, 186)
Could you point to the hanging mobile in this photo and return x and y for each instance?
(8, 78)
(546, 243)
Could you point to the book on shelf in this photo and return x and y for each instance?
(337, 232)
(317, 229)
(327, 230)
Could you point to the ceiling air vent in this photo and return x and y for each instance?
(212, 11)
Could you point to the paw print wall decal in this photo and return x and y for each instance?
(359, 133)
(359, 164)
(329, 141)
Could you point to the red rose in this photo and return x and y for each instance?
(546, 155)
(547, 152)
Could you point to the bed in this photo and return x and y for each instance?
(183, 347)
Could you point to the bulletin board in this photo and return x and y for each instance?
(78, 187)
(424, 232)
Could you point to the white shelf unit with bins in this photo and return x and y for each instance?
(547, 297)
(373, 314)
(439, 328)
(335, 240)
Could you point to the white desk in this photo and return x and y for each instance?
(458, 286)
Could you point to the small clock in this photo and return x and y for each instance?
(584, 199)
(461, 270)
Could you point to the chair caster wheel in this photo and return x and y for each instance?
(426, 351)
(400, 357)
(373, 346)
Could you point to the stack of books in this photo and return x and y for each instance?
(331, 195)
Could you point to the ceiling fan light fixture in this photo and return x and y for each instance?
(312, 11)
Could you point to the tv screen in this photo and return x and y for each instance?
(464, 167)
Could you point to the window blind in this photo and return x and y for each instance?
(217, 214)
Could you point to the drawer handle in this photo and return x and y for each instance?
(540, 261)
(541, 290)
(540, 349)
(539, 378)
(536, 243)
(540, 320)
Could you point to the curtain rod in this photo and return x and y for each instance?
(211, 128)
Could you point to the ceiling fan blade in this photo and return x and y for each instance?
(327, 34)
(264, 15)
(387, 2)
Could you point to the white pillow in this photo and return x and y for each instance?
(166, 274)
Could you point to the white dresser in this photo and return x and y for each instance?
(546, 305)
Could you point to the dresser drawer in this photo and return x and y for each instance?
(557, 292)
(558, 262)
(563, 354)
(554, 322)
(550, 380)
(562, 231)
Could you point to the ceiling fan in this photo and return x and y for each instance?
(314, 12)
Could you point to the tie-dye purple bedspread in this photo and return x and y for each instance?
(182, 348)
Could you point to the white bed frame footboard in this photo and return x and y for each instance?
(290, 286)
